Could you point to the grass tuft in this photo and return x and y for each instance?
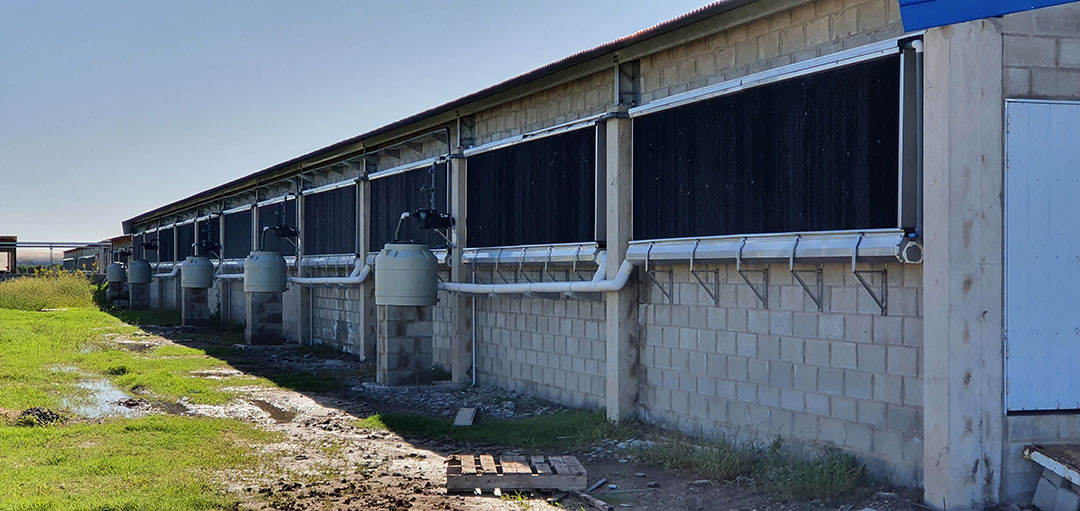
(46, 289)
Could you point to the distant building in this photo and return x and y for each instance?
(7, 254)
(94, 258)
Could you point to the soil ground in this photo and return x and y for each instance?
(329, 462)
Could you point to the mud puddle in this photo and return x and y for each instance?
(277, 414)
(102, 399)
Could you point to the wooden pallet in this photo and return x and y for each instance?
(468, 473)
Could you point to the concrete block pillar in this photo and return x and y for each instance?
(405, 346)
(461, 326)
(963, 358)
(138, 296)
(117, 294)
(264, 319)
(621, 391)
(195, 307)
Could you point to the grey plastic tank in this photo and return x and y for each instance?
(406, 274)
(197, 272)
(139, 272)
(265, 272)
(114, 273)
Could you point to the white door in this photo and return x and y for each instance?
(1042, 255)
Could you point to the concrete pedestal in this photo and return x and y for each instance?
(138, 296)
(194, 307)
(117, 294)
(264, 319)
(405, 346)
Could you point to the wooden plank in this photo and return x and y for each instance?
(560, 466)
(471, 472)
(468, 465)
(575, 466)
(487, 464)
(515, 465)
(541, 465)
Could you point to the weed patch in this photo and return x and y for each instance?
(46, 289)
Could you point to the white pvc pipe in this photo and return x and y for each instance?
(596, 285)
(360, 273)
(175, 270)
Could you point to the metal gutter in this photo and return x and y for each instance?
(823, 247)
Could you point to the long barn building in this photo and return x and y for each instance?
(815, 202)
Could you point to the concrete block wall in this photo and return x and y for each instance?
(846, 376)
(335, 317)
(567, 102)
(800, 33)
(550, 348)
(442, 326)
(231, 302)
(163, 292)
(1041, 59)
(1041, 53)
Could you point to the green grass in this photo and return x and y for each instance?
(49, 289)
(43, 354)
(153, 463)
(147, 316)
(573, 429)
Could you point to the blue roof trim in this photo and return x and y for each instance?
(920, 14)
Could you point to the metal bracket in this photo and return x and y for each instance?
(714, 292)
(521, 263)
(671, 276)
(498, 257)
(763, 293)
(817, 298)
(882, 299)
(547, 259)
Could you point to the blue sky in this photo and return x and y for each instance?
(108, 108)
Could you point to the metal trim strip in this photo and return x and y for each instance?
(810, 66)
(401, 169)
(583, 123)
(331, 186)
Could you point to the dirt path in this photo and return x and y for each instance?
(326, 462)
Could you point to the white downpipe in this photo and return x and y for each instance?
(472, 322)
(596, 285)
(360, 273)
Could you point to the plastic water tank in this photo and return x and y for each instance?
(406, 274)
(139, 272)
(115, 273)
(265, 272)
(197, 272)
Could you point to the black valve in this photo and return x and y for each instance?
(432, 219)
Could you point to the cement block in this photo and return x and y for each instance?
(843, 354)
(1024, 51)
(1045, 495)
(1067, 499)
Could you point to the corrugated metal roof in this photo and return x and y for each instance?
(696, 15)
